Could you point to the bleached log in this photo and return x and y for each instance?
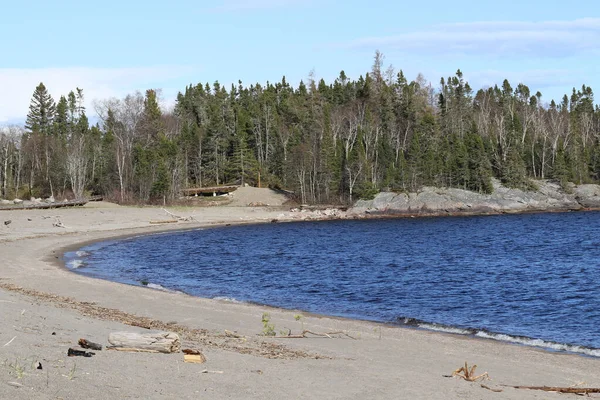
(151, 342)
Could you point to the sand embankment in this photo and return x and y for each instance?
(56, 307)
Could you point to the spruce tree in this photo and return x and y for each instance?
(41, 112)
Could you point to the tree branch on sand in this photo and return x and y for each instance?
(574, 390)
(468, 374)
(180, 218)
(306, 332)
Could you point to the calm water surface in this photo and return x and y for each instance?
(532, 279)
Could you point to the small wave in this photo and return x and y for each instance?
(227, 299)
(160, 287)
(82, 253)
(481, 333)
(74, 264)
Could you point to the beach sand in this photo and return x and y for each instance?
(45, 309)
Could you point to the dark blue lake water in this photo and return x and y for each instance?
(531, 279)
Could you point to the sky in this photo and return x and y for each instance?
(112, 48)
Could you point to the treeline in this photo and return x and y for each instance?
(328, 142)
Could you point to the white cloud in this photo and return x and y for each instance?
(97, 83)
(509, 38)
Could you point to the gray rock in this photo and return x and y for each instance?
(588, 195)
(17, 201)
(436, 201)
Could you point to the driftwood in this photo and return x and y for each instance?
(468, 374)
(45, 206)
(168, 221)
(180, 218)
(574, 390)
(307, 332)
(86, 344)
(79, 353)
(492, 389)
(150, 342)
(193, 356)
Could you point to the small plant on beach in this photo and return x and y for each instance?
(268, 327)
(16, 368)
(300, 318)
(285, 332)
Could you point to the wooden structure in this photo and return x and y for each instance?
(44, 206)
(209, 191)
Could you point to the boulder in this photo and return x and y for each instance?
(17, 201)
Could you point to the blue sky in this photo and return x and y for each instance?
(112, 48)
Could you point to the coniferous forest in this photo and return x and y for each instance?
(328, 142)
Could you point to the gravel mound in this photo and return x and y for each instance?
(257, 197)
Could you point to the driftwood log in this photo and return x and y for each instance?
(150, 342)
(86, 344)
(575, 390)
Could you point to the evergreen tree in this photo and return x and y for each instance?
(41, 112)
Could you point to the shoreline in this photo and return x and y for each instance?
(385, 361)
(473, 333)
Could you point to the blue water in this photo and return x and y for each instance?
(531, 279)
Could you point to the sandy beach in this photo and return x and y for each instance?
(45, 309)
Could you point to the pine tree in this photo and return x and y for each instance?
(41, 112)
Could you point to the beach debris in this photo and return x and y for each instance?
(574, 390)
(9, 342)
(58, 224)
(191, 351)
(193, 356)
(468, 374)
(232, 334)
(492, 389)
(79, 353)
(306, 332)
(86, 344)
(199, 336)
(7, 223)
(39, 366)
(206, 371)
(257, 371)
(14, 384)
(179, 217)
(151, 342)
(168, 221)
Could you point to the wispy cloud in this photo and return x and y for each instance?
(554, 39)
(97, 83)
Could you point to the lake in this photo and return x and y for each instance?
(532, 279)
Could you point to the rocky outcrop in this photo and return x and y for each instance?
(435, 201)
